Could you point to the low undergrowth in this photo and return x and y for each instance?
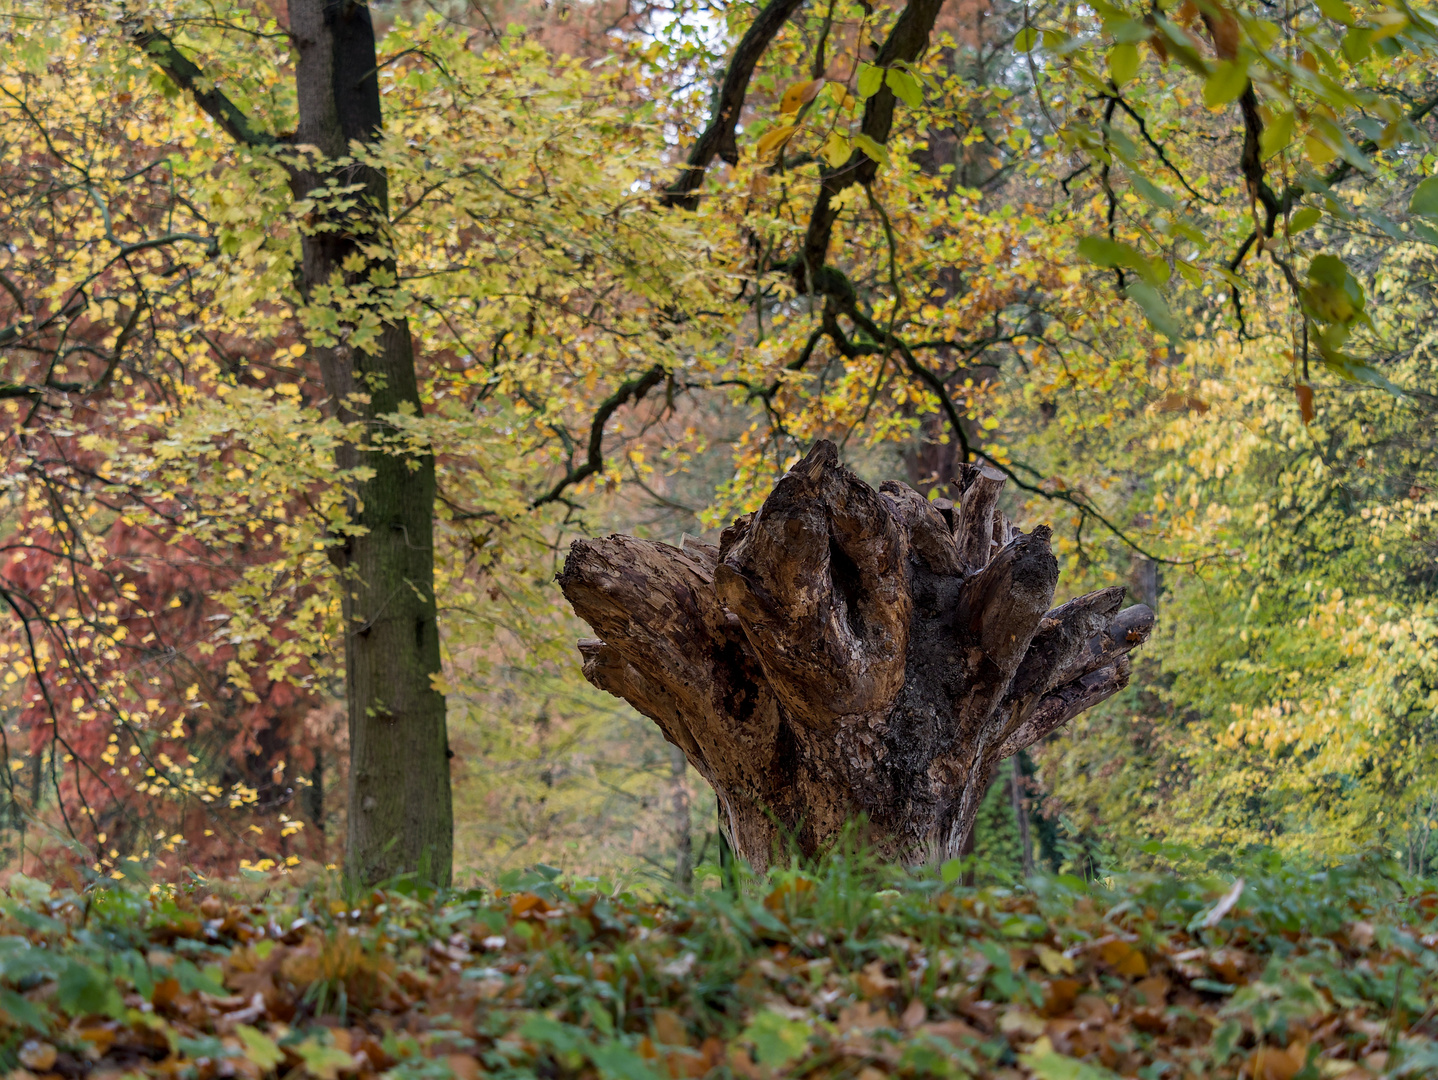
(842, 970)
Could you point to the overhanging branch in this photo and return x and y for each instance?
(632, 390)
(188, 77)
(906, 42)
(718, 137)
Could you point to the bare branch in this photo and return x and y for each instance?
(633, 389)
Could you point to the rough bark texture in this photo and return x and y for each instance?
(845, 651)
(400, 817)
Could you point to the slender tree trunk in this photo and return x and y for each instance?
(315, 798)
(1021, 813)
(400, 816)
(683, 826)
(845, 650)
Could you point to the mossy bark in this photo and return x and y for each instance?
(400, 817)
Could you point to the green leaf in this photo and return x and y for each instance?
(84, 991)
(1277, 135)
(874, 150)
(1157, 309)
(1123, 63)
(1357, 371)
(1336, 10)
(905, 87)
(1048, 1064)
(1329, 133)
(1352, 369)
(1151, 191)
(260, 1049)
(1180, 45)
(1305, 218)
(1225, 1039)
(1357, 44)
(1105, 252)
(951, 871)
(1262, 33)
(1425, 198)
(22, 1012)
(1210, 986)
(1026, 39)
(550, 1033)
(191, 978)
(1127, 31)
(322, 1060)
(1226, 84)
(1102, 251)
(1333, 294)
(777, 1041)
(869, 81)
(30, 890)
(615, 1061)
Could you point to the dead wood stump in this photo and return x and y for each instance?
(846, 651)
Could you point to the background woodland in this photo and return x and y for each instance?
(1171, 269)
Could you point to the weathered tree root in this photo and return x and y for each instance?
(845, 651)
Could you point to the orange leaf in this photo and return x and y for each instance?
(669, 1028)
(799, 94)
(1114, 952)
(1123, 958)
(914, 1015)
(1134, 965)
(1270, 1063)
(1059, 995)
(1305, 401)
(1173, 401)
(1153, 990)
(1224, 28)
(874, 982)
(795, 887)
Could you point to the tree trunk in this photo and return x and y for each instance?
(847, 651)
(400, 817)
(683, 827)
(1021, 814)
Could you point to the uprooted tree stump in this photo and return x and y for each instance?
(845, 651)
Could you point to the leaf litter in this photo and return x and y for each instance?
(836, 971)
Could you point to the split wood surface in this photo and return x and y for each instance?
(847, 651)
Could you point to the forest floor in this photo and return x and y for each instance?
(841, 970)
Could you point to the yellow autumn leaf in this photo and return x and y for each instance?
(798, 95)
(836, 149)
(772, 140)
(1318, 150)
(1055, 962)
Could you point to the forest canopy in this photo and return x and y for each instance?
(316, 360)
